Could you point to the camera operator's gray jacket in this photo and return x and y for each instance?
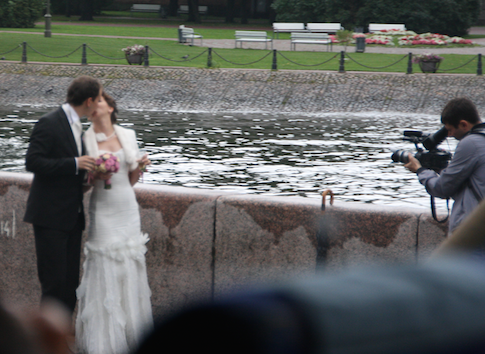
(463, 179)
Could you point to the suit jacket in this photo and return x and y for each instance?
(56, 194)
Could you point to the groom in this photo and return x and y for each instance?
(55, 203)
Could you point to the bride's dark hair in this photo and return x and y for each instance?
(112, 103)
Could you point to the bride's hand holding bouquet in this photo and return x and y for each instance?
(106, 165)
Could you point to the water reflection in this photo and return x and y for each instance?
(258, 153)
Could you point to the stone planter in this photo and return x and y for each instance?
(429, 66)
(134, 59)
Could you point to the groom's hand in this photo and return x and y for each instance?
(86, 162)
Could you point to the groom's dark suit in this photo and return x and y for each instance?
(55, 206)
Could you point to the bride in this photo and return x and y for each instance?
(114, 308)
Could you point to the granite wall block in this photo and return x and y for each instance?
(18, 267)
(263, 239)
(430, 234)
(180, 223)
(362, 235)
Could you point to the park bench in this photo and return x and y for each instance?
(189, 35)
(147, 8)
(375, 27)
(287, 27)
(253, 36)
(184, 9)
(324, 27)
(310, 38)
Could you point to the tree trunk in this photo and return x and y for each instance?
(244, 11)
(271, 11)
(87, 10)
(68, 8)
(173, 7)
(194, 15)
(230, 11)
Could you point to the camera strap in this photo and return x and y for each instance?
(433, 210)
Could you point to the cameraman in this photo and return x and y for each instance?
(464, 178)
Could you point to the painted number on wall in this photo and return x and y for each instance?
(7, 227)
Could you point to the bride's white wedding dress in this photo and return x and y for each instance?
(114, 310)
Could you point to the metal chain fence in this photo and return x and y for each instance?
(150, 52)
(376, 67)
(459, 67)
(294, 62)
(104, 56)
(10, 51)
(177, 61)
(231, 62)
(49, 56)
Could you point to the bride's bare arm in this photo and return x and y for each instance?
(142, 163)
(134, 176)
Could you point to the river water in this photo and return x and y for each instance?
(290, 155)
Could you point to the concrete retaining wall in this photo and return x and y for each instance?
(204, 243)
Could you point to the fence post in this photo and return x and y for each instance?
(146, 63)
(410, 63)
(479, 65)
(84, 60)
(274, 66)
(341, 68)
(209, 57)
(24, 52)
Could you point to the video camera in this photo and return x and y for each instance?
(433, 159)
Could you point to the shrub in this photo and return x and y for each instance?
(20, 13)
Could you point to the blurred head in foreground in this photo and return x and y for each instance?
(438, 307)
(42, 331)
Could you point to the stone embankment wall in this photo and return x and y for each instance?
(226, 90)
(204, 243)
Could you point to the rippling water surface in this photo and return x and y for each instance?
(257, 153)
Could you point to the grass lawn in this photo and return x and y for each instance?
(58, 46)
(111, 47)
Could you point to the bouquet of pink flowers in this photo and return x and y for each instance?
(107, 163)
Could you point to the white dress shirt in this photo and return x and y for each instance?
(76, 127)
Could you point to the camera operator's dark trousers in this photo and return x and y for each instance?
(58, 259)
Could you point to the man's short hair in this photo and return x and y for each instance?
(458, 109)
(81, 89)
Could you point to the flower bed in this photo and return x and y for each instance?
(408, 38)
(432, 39)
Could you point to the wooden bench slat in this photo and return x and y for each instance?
(253, 36)
(374, 27)
(324, 27)
(310, 38)
(288, 27)
(146, 8)
(189, 34)
(184, 9)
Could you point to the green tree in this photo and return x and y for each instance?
(451, 17)
(300, 10)
(86, 8)
(20, 13)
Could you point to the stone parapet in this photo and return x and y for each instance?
(204, 243)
